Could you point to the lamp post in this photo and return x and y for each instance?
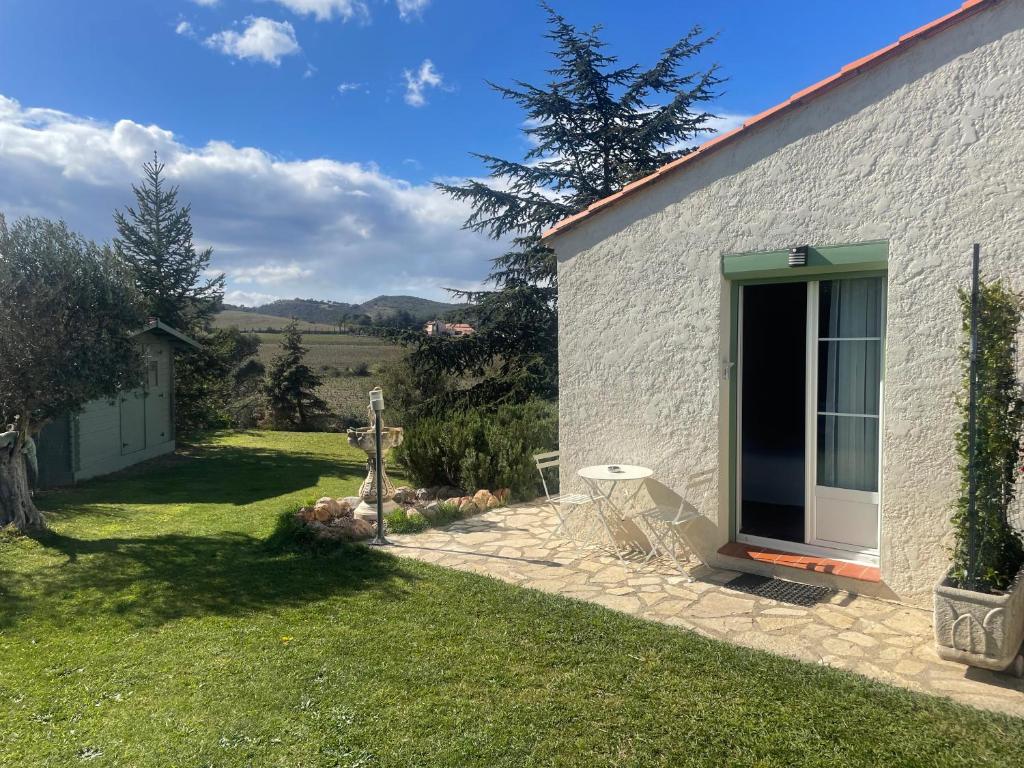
(377, 404)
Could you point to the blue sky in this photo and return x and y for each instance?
(306, 132)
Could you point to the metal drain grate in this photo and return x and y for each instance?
(790, 592)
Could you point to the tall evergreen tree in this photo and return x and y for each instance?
(156, 239)
(594, 127)
(291, 386)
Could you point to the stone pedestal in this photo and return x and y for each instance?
(368, 512)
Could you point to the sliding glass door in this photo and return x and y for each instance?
(809, 414)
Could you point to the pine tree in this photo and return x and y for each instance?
(156, 240)
(594, 127)
(291, 386)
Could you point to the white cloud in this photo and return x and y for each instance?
(248, 298)
(416, 83)
(269, 274)
(283, 228)
(207, 3)
(344, 88)
(262, 38)
(325, 10)
(184, 28)
(411, 9)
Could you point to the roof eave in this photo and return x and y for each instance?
(849, 71)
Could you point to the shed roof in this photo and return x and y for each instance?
(800, 98)
(176, 337)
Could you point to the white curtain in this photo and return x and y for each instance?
(849, 382)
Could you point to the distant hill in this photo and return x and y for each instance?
(245, 320)
(323, 312)
(422, 309)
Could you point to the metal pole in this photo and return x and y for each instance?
(972, 427)
(379, 468)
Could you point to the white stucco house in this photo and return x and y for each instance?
(823, 396)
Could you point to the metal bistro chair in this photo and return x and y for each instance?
(666, 520)
(565, 505)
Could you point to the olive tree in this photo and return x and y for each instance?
(68, 309)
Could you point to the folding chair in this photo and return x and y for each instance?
(665, 521)
(565, 505)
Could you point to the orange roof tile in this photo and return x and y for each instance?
(849, 71)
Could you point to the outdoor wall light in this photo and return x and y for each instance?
(798, 256)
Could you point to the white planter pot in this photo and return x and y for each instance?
(979, 629)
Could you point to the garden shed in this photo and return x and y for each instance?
(109, 435)
(780, 308)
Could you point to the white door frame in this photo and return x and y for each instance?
(812, 545)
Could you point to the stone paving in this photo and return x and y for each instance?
(883, 640)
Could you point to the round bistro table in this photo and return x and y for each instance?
(611, 476)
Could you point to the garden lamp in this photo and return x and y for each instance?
(377, 404)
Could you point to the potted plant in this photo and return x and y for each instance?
(979, 605)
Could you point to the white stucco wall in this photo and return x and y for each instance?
(925, 151)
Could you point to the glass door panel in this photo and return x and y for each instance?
(847, 412)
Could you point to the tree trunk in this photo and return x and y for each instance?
(16, 505)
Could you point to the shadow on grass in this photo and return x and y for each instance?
(208, 474)
(149, 581)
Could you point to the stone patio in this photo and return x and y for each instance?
(883, 640)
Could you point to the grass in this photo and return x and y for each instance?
(247, 321)
(334, 356)
(153, 625)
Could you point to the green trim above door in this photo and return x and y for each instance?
(826, 260)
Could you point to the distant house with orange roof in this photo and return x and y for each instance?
(441, 328)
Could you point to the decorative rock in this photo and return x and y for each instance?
(325, 509)
(449, 492)
(482, 498)
(305, 514)
(414, 514)
(494, 502)
(502, 494)
(345, 508)
(430, 510)
(404, 495)
(423, 495)
(344, 529)
(351, 501)
(468, 507)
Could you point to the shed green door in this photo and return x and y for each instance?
(133, 422)
(158, 395)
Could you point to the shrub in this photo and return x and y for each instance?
(446, 512)
(474, 448)
(359, 369)
(999, 550)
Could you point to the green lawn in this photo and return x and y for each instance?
(154, 626)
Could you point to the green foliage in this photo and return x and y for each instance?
(409, 391)
(291, 387)
(1000, 428)
(68, 311)
(156, 239)
(220, 384)
(592, 129)
(400, 521)
(446, 512)
(473, 448)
